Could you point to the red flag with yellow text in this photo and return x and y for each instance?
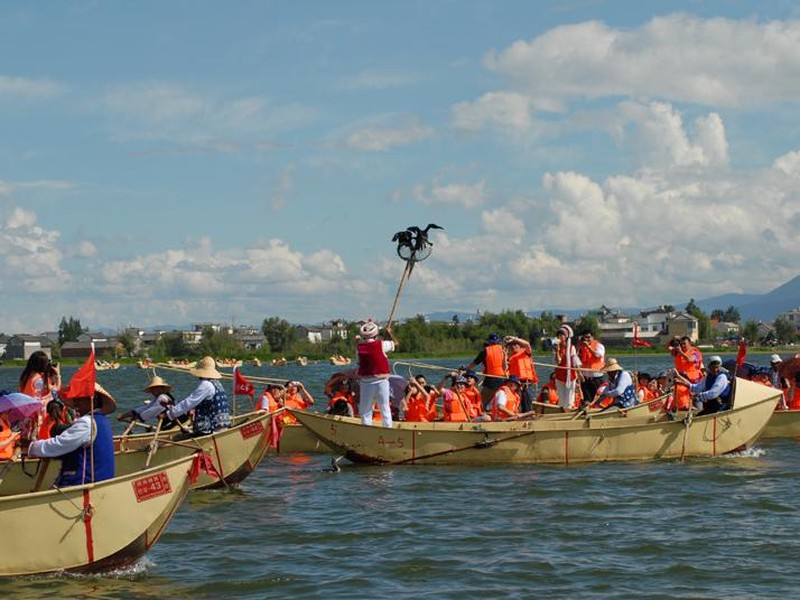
(81, 384)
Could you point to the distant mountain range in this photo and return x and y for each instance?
(760, 307)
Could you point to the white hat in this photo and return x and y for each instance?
(714, 359)
(369, 329)
(775, 359)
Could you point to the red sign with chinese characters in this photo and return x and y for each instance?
(252, 429)
(151, 486)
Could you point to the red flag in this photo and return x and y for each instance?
(637, 341)
(241, 386)
(742, 354)
(275, 432)
(81, 385)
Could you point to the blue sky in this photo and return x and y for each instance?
(179, 162)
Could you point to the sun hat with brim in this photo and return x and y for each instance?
(206, 369)
(157, 382)
(611, 366)
(775, 359)
(106, 400)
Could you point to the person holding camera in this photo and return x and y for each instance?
(40, 379)
(689, 365)
(593, 358)
(297, 397)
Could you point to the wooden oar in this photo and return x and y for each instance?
(154, 442)
(688, 422)
(403, 278)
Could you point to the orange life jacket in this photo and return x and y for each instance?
(562, 374)
(646, 393)
(455, 407)
(474, 401)
(6, 453)
(48, 422)
(348, 397)
(294, 400)
(588, 358)
(512, 404)
(521, 364)
(495, 360)
(689, 368)
(794, 402)
(267, 402)
(418, 409)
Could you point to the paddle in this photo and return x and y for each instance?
(154, 442)
(688, 423)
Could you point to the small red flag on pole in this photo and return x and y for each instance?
(742, 354)
(241, 386)
(81, 385)
(637, 341)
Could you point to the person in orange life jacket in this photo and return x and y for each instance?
(506, 400)
(56, 419)
(8, 438)
(343, 401)
(712, 393)
(86, 448)
(416, 404)
(209, 400)
(567, 367)
(373, 373)
(455, 405)
(473, 395)
(644, 390)
(688, 363)
(549, 395)
(495, 367)
(297, 397)
(271, 398)
(520, 363)
(593, 358)
(620, 391)
(40, 379)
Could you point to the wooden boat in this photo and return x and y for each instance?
(234, 452)
(93, 527)
(146, 364)
(302, 361)
(104, 365)
(298, 439)
(339, 360)
(227, 363)
(278, 362)
(560, 441)
(782, 424)
(256, 362)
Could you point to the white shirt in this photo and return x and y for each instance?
(205, 389)
(79, 434)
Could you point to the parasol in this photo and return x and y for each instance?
(18, 406)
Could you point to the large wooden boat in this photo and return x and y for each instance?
(338, 359)
(562, 441)
(93, 527)
(234, 452)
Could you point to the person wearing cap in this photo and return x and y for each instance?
(712, 393)
(620, 391)
(567, 367)
(473, 395)
(455, 405)
(373, 372)
(520, 363)
(86, 447)
(506, 400)
(210, 402)
(775, 377)
(495, 367)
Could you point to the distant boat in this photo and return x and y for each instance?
(338, 359)
(278, 362)
(302, 361)
(104, 365)
(227, 363)
(256, 362)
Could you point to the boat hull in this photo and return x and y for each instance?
(90, 528)
(550, 441)
(783, 424)
(234, 452)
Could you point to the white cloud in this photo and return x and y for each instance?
(676, 57)
(29, 89)
(504, 109)
(457, 194)
(390, 133)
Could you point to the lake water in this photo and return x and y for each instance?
(715, 528)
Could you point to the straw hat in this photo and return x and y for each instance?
(206, 369)
(107, 402)
(611, 366)
(157, 382)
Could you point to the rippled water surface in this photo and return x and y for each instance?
(716, 528)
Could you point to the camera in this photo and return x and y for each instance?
(674, 343)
